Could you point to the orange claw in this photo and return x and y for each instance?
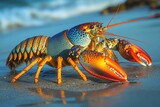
(101, 66)
(134, 53)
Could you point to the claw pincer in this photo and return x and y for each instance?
(133, 53)
(101, 66)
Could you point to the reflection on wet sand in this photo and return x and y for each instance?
(52, 96)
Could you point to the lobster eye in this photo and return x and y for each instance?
(99, 25)
(91, 27)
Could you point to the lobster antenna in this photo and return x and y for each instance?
(114, 15)
(134, 20)
(106, 27)
(111, 34)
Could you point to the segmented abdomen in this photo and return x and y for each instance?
(27, 50)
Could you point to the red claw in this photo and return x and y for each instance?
(101, 66)
(134, 53)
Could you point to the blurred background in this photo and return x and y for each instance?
(23, 13)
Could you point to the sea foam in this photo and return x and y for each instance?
(35, 13)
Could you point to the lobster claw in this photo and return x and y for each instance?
(101, 66)
(134, 53)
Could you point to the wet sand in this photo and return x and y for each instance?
(143, 88)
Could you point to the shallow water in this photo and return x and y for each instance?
(143, 88)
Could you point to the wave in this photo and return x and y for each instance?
(35, 12)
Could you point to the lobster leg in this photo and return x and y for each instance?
(25, 69)
(77, 69)
(59, 70)
(101, 47)
(40, 66)
(111, 54)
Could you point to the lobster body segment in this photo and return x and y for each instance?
(77, 36)
(27, 50)
(59, 45)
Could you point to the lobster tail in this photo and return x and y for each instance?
(27, 50)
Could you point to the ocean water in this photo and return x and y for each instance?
(22, 13)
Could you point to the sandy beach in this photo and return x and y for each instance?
(143, 89)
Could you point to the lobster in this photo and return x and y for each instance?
(80, 44)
